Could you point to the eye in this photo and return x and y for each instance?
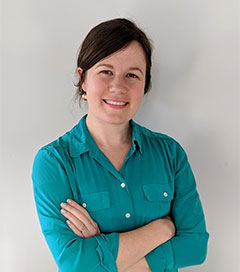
(130, 75)
(106, 72)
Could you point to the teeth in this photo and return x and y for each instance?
(116, 103)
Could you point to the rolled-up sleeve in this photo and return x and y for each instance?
(189, 246)
(51, 186)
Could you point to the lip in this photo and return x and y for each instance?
(115, 100)
(116, 106)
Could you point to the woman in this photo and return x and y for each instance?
(112, 195)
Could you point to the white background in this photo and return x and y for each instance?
(195, 99)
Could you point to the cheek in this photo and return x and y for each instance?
(139, 100)
(137, 85)
(97, 86)
(138, 93)
(95, 92)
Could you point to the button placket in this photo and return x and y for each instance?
(127, 203)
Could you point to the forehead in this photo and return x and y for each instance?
(132, 55)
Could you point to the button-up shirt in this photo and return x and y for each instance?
(155, 180)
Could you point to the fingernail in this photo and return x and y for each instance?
(69, 200)
(68, 222)
(63, 211)
(63, 204)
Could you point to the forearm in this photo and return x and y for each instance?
(140, 266)
(135, 244)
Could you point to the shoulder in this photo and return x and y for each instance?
(165, 147)
(158, 138)
(162, 144)
(58, 149)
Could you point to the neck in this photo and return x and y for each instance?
(108, 135)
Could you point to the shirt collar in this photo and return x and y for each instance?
(136, 135)
(81, 140)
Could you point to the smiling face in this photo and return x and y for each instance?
(115, 85)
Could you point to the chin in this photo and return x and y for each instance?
(117, 120)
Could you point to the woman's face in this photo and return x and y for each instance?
(115, 85)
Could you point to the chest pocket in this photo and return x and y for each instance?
(99, 207)
(96, 201)
(158, 199)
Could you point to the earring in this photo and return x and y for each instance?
(84, 96)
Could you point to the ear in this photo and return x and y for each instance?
(80, 71)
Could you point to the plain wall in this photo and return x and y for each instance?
(194, 99)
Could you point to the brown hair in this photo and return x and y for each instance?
(107, 38)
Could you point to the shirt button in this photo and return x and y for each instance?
(127, 215)
(123, 185)
(84, 205)
(165, 194)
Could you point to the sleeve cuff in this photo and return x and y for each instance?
(107, 250)
(161, 258)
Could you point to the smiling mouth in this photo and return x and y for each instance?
(115, 103)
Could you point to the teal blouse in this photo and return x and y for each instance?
(155, 181)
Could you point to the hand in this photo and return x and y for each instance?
(79, 220)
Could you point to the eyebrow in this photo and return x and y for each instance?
(110, 66)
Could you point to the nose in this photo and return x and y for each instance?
(118, 85)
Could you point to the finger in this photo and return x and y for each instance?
(84, 211)
(79, 228)
(78, 218)
(81, 209)
(78, 225)
(83, 234)
(74, 228)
